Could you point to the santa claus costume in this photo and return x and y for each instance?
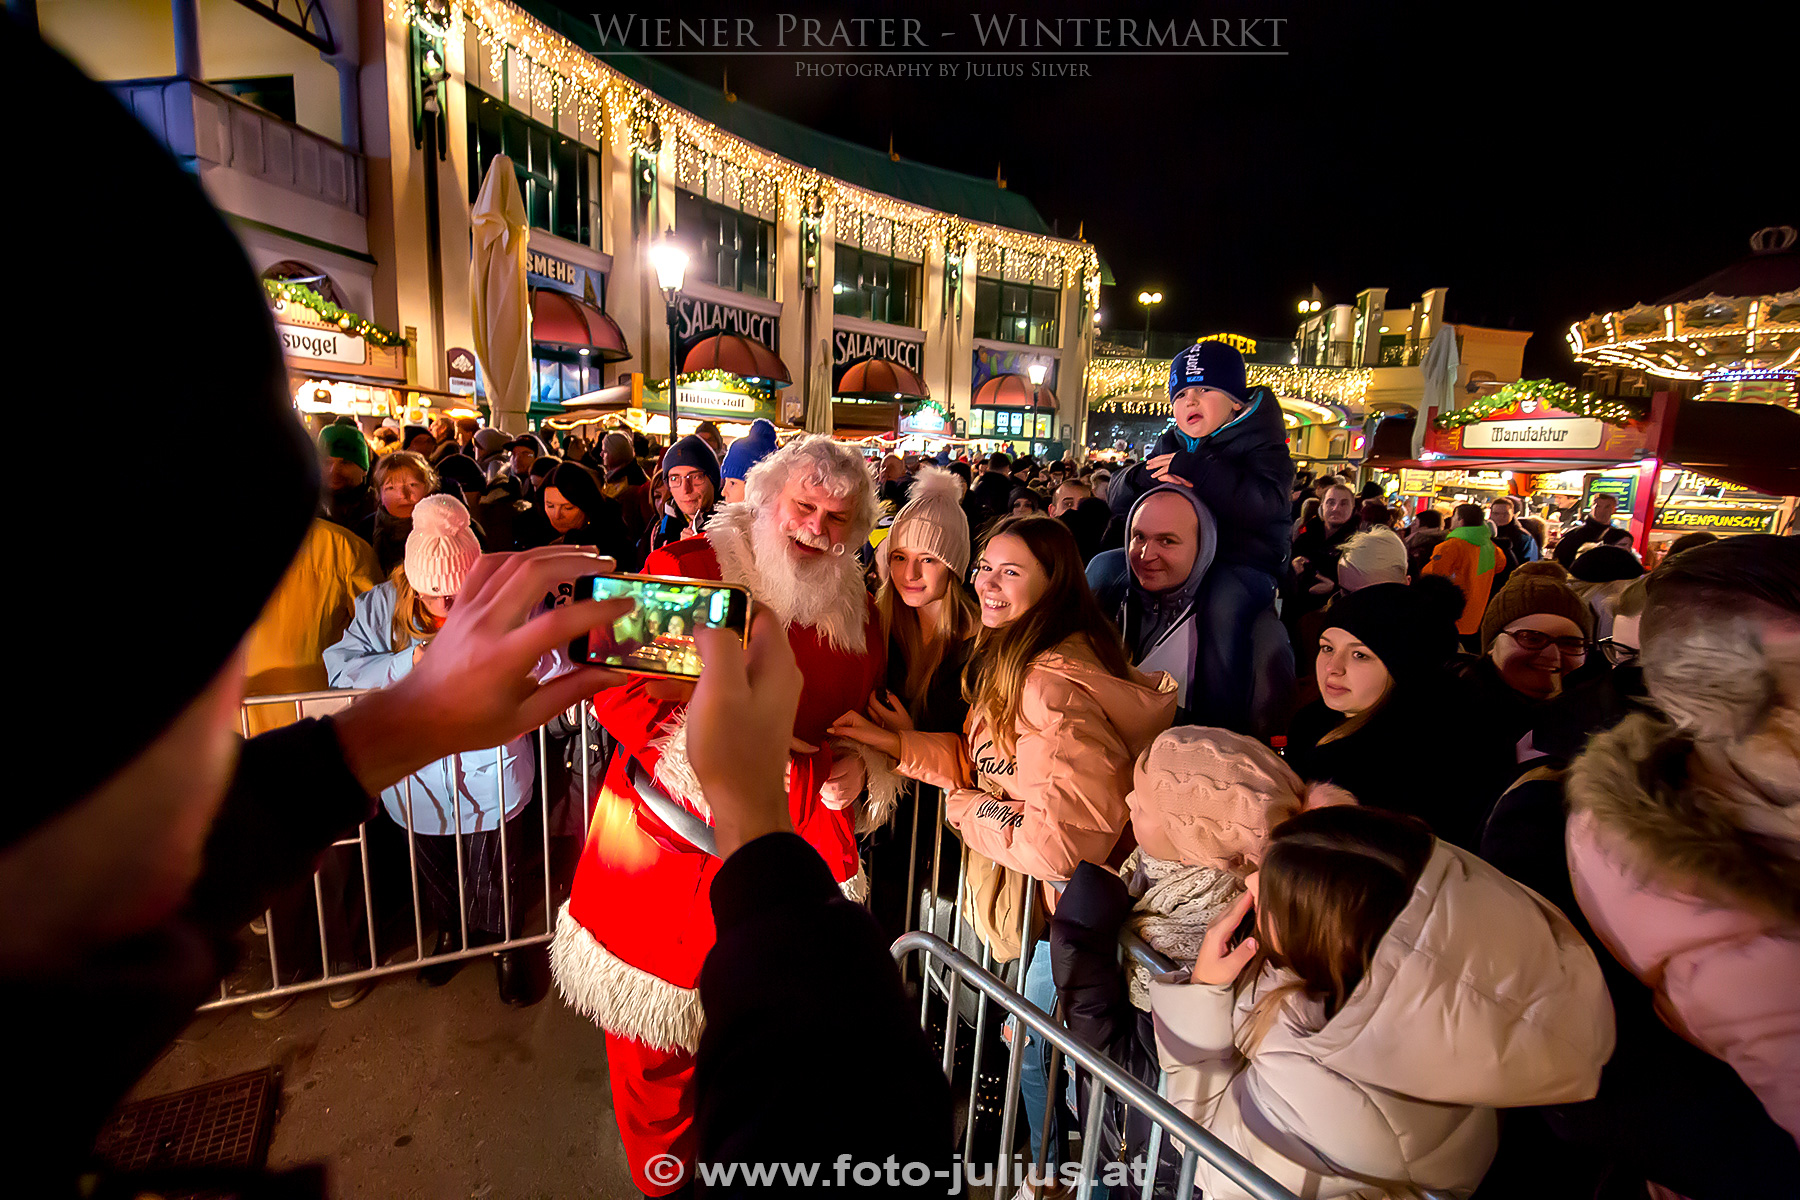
(630, 942)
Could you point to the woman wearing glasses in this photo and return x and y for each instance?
(1535, 633)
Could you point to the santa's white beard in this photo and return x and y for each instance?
(800, 592)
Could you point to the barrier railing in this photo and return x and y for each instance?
(1107, 1079)
(333, 916)
(952, 957)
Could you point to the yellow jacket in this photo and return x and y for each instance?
(285, 649)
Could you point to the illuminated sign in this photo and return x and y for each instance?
(1718, 520)
(321, 345)
(695, 319)
(1574, 433)
(848, 346)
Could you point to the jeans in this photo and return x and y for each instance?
(1034, 1082)
(1230, 600)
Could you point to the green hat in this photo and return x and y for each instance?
(345, 442)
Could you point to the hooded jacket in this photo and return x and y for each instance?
(1243, 473)
(1059, 800)
(465, 792)
(1481, 995)
(1458, 558)
(1161, 629)
(1698, 899)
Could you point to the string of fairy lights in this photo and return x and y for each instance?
(1110, 378)
(1545, 393)
(559, 75)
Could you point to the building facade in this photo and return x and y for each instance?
(346, 147)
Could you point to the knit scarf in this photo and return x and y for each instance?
(1174, 912)
(1479, 537)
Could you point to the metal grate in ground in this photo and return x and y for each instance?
(222, 1124)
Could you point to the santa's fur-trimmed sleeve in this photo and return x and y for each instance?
(881, 795)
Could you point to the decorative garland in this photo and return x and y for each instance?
(1547, 393)
(722, 381)
(282, 292)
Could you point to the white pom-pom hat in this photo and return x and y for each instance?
(931, 521)
(441, 547)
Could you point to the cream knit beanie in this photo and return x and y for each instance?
(932, 522)
(441, 547)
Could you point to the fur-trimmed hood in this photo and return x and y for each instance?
(1691, 818)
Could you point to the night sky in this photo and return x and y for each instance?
(1540, 166)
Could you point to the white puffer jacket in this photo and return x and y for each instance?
(1481, 996)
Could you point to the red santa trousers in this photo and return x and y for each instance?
(653, 1100)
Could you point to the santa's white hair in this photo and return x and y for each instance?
(823, 463)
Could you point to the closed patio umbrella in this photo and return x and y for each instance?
(1439, 368)
(502, 302)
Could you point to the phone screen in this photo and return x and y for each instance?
(657, 637)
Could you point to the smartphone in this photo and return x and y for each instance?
(1244, 929)
(657, 637)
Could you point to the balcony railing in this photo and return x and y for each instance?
(202, 125)
(1327, 354)
(1403, 354)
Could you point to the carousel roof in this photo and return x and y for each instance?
(1772, 266)
(1744, 318)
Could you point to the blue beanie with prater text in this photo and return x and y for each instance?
(1211, 365)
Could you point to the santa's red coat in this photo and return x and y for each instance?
(640, 898)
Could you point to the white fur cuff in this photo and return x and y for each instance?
(621, 998)
(882, 795)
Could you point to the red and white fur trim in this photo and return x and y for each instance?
(882, 794)
(619, 997)
(856, 888)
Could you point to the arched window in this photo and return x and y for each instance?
(289, 270)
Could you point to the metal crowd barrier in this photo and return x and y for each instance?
(330, 915)
(1106, 1078)
(948, 946)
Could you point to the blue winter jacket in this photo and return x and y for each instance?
(469, 784)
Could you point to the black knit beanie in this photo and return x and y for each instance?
(127, 634)
(1411, 628)
(690, 451)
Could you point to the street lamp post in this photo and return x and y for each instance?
(1035, 373)
(1149, 300)
(670, 262)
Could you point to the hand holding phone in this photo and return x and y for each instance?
(656, 637)
(1218, 961)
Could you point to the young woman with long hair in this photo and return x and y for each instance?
(1396, 991)
(1037, 782)
(930, 618)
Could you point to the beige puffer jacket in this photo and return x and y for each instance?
(1059, 799)
(1481, 996)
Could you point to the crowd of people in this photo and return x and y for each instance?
(1092, 665)
(1508, 898)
